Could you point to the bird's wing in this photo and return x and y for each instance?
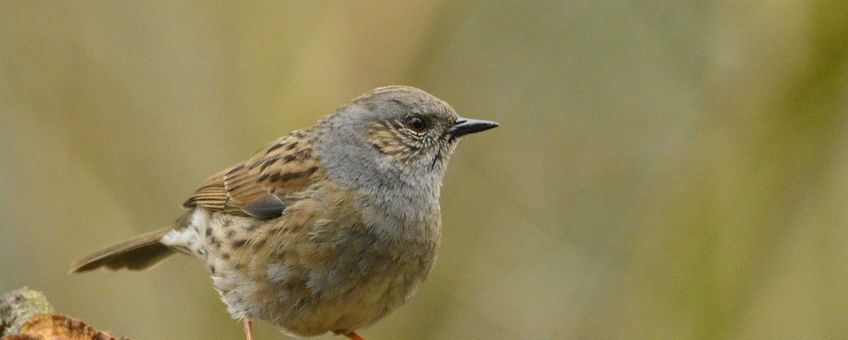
(256, 187)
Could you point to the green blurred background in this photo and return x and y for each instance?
(664, 169)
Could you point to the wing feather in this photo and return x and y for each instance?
(286, 166)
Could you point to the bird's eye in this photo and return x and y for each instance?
(416, 123)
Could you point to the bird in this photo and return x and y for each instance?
(326, 229)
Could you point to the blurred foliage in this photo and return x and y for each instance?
(664, 169)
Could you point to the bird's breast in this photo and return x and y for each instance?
(334, 260)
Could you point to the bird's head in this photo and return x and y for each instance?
(399, 133)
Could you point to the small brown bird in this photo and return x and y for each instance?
(327, 229)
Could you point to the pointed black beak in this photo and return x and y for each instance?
(466, 126)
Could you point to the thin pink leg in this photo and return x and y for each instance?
(354, 336)
(248, 329)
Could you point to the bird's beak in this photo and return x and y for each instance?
(466, 126)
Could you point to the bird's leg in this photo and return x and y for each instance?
(248, 329)
(353, 336)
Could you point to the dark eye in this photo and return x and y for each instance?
(416, 123)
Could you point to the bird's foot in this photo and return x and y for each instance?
(353, 336)
(350, 335)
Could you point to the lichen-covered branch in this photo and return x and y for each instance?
(18, 306)
(25, 314)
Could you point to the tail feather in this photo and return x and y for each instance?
(139, 253)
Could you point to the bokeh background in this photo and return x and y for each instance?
(664, 169)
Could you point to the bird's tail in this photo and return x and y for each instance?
(139, 253)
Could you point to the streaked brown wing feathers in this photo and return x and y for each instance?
(282, 168)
